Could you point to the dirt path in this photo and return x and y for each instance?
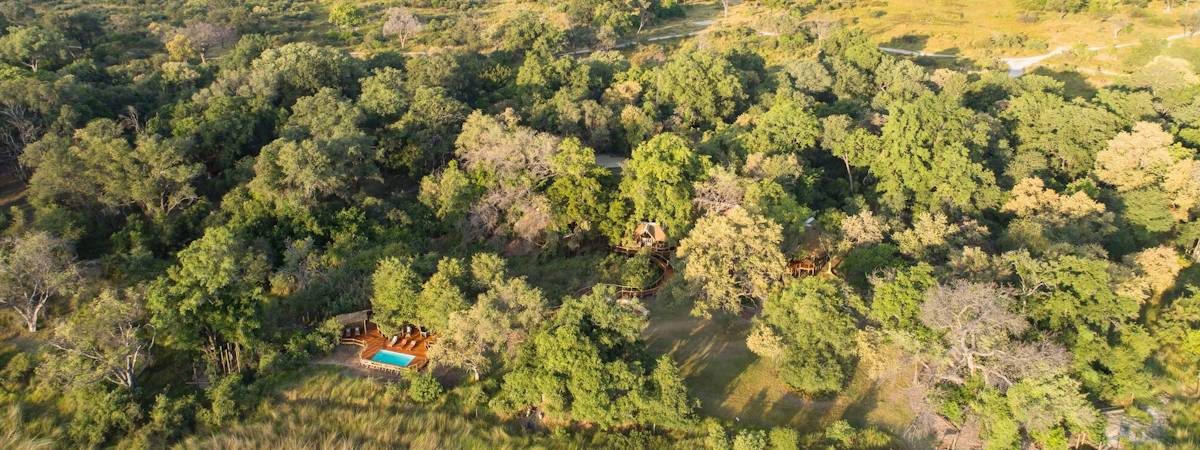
(1017, 65)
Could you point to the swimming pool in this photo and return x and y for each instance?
(393, 358)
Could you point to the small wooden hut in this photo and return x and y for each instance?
(810, 254)
(650, 234)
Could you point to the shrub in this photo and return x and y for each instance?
(424, 388)
(750, 440)
(225, 398)
(346, 15)
(715, 437)
(784, 438)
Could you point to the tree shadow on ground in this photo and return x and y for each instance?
(711, 354)
(1189, 277)
(914, 42)
(857, 409)
(1075, 85)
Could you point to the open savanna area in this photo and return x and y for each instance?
(600, 224)
(1007, 27)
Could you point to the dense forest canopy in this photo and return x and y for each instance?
(194, 189)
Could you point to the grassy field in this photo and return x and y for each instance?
(1104, 67)
(733, 384)
(326, 408)
(967, 27)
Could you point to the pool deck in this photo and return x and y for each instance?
(372, 341)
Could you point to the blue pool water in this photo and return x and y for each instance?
(393, 358)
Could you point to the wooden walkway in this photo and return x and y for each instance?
(659, 256)
(372, 341)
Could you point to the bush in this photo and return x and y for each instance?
(225, 399)
(638, 271)
(423, 387)
(715, 437)
(863, 261)
(750, 440)
(16, 371)
(100, 415)
(346, 15)
(784, 438)
(170, 419)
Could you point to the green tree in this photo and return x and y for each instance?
(100, 165)
(854, 146)
(441, 295)
(898, 294)
(34, 47)
(807, 331)
(1055, 137)
(282, 75)
(750, 440)
(1050, 407)
(493, 329)
(580, 366)
(657, 185)
(212, 300)
(576, 194)
(701, 88)
(927, 167)
(222, 128)
(346, 15)
(449, 193)
(97, 414)
(784, 438)
(729, 258)
(423, 137)
(898, 80)
(423, 387)
(395, 290)
(1076, 292)
(851, 56)
(787, 127)
(383, 94)
(321, 153)
(665, 401)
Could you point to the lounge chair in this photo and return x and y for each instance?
(411, 344)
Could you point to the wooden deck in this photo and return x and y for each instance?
(372, 341)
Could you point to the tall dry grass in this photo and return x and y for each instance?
(329, 410)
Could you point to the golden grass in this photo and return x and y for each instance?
(330, 410)
(964, 25)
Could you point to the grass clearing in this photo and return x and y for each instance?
(732, 383)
